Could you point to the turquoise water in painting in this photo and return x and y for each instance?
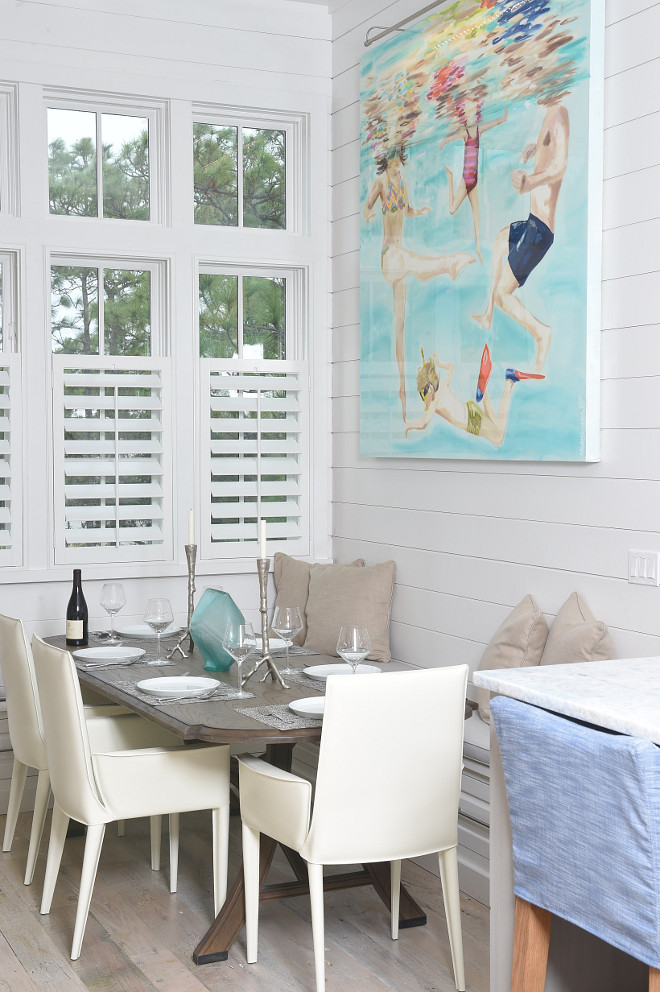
(504, 56)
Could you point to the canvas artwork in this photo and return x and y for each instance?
(481, 188)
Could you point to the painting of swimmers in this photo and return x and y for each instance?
(497, 103)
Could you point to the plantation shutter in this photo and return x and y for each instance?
(255, 449)
(10, 461)
(112, 445)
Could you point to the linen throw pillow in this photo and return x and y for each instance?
(517, 643)
(576, 635)
(340, 594)
(292, 585)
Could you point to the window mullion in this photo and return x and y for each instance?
(239, 176)
(100, 320)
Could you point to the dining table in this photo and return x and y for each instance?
(262, 722)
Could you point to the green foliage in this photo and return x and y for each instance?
(72, 178)
(218, 316)
(126, 180)
(264, 178)
(75, 311)
(264, 316)
(215, 158)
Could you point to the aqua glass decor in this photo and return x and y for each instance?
(214, 611)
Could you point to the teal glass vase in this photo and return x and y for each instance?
(208, 624)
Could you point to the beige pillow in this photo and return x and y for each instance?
(292, 585)
(576, 635)
(340, 594)
(517, 643)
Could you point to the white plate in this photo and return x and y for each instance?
(274, 643)
(177, 685)
(109, 655)
(142, 631)
(322, 671)
(309, 706)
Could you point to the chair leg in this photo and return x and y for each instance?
(251, 885)
(174, 850)
(220, 856)
(18, 777)
(315, 873)
(395, 897)
(654, 979)
(155, 827)
(452, 899)
(531, 941)
(38, 819)
(58, 828)
(95, 834)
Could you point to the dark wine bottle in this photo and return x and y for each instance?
(76, 615)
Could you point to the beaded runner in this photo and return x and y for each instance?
(278, 716)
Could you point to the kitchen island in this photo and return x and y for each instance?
(621, 695)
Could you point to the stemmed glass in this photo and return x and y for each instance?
(239, 641)
(353, 645)
(112, 599)
(159, 616)
(287, 622)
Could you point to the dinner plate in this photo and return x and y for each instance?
(274, 644)
(177, 685)
(321, 672)
(143, 631)
(309, 706)
(109, 655)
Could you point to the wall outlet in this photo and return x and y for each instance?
(644, 567)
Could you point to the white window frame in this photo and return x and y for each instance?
(295, 126)
(11, 413)
(8, 149)
(103, 103)
(159, 333)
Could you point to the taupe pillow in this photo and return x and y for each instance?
(340, 594)
(292, 585)
(576, 635)
(517, 643)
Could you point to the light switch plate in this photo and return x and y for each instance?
(644, 567)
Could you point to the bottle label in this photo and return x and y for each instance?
(74, 630)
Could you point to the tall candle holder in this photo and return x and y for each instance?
(191, 558)
(263, 566)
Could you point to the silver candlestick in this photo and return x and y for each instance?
(263, 566)
(191, 558)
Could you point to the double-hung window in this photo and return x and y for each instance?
(10, 416)
(111, 411)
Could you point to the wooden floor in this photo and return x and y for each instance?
(139, 937)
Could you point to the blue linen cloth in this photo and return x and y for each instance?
(585, 815)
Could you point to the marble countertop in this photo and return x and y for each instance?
(622, 695)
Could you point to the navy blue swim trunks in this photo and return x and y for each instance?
(529, 240)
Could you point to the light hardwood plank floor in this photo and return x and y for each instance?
(139, 937)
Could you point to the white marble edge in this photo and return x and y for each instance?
(622, 695)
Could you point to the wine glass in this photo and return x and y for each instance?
(353, 645)
(158, 615)
(239, 641)
(287, 622)
(112, 599)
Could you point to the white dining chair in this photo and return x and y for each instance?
(387, 788)
(26, 734)
(105, 769)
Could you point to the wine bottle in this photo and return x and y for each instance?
(76, 615)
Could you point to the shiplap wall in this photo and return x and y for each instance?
(256, 53)
(470, 539)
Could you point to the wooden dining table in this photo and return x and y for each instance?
(219, 721)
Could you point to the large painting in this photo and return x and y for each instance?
(481, 187)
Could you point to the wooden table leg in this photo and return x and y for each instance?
(410, 913)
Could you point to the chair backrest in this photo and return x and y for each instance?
(584, 805)
(23, 713)
(65, 732)
(389, 771)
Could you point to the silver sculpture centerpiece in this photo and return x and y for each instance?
(263, 567)
(191, 558)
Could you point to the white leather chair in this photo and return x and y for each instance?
(26, 735)
(387, 788)
(103, 770)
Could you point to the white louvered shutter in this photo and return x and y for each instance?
(255, 456)
(112, 459)
(10, 461)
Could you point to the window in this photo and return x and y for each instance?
(105, 159)
(239, 176)
(242, 316)
(8, 146)
(10, 416)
